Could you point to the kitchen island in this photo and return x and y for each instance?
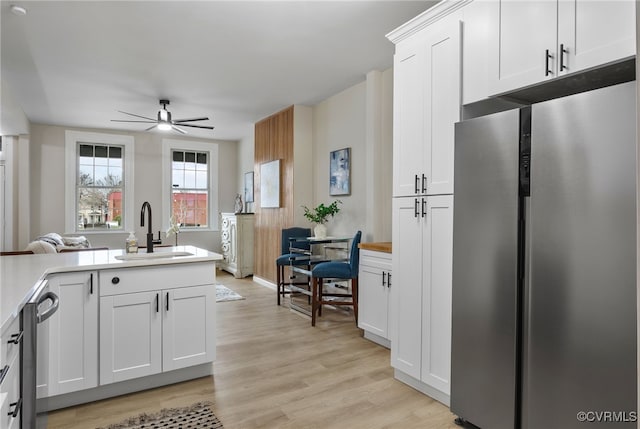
(125, 322)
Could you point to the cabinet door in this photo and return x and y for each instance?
(373, 297)
(10, 395)
(130, 336)
(436, 296)
(406, 292)
(442, 106)
(521, 34)
(595, 32)
(73, 333)
(409, 144)
(189, 326)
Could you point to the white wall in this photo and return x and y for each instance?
(13, 121)
(246, 149)
(340, 122)
(359, 117)
(47, 185)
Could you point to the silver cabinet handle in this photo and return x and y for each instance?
(55, 302)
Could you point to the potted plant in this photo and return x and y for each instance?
(320, 215)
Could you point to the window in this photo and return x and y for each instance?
(99, 186)
(190, 188)
(99, 182)
(190, 175)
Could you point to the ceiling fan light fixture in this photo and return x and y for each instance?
(18, 10)
(164, 121)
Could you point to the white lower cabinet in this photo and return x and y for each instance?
(188, 327)
(421, 292)
(155, 320)
(73, 335)
(10, 393)
(130, 336)
(374, 283)
(10, 397)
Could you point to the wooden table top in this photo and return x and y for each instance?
(382, 246)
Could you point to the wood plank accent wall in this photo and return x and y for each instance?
(273, 140)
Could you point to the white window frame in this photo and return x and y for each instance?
(72, 138)
(212, 151)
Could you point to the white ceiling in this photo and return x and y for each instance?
(76, 63)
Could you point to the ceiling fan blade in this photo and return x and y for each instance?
(178, 129)
(191, 119)
(151, 127)
(138, 116)
(197, 126)
(144, 122)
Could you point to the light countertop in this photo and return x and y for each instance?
(382, 246)
(20, 275)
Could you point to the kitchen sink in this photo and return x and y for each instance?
(154, 255)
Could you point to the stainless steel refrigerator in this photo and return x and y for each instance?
(544, 265)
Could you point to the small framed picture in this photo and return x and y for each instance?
(248, 187)
(340, 172)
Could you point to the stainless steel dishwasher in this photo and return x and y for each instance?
(33, 313)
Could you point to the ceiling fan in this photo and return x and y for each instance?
(164, 121)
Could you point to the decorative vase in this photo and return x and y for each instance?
(238, 205)
(320, 231)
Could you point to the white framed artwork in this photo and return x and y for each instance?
(270, 184)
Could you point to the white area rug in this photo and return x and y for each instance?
(223, 293)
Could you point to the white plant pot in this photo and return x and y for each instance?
(320, 231)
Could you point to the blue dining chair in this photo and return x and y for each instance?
(284, 260)
(337, 271)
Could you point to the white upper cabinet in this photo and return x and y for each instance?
(595, 32)
(426, 105)
(534, 41)
(475, 40)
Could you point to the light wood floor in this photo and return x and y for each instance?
(273, 370)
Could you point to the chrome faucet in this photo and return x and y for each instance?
(145, 206)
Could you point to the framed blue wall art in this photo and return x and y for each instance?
(340, 172)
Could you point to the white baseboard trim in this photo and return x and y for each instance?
(422, 387)
(264, 282)
(124, 387)
(377, 339)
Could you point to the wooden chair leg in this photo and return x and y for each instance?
(314, 300)
(320, 287)
(278, 282)
(354, 297)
